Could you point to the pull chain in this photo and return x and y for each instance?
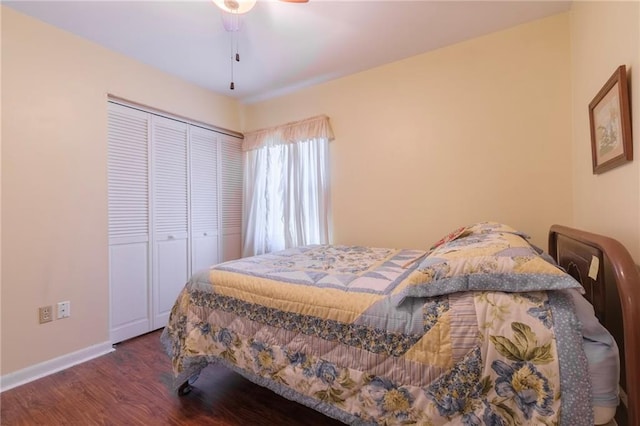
(231, 86)
(237, 54)
(233, 24)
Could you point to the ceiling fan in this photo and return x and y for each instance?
(239, 7)
(232, 9)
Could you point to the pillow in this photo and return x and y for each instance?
(489, 227)
(449, 237)
(496, 261)
(476, 228)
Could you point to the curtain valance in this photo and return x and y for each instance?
(310, 128)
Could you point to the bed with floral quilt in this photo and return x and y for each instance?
(482, 328)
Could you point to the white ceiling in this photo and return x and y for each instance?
(282, 46)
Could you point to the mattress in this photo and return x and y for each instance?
(603, 360)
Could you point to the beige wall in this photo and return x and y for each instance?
(476, 131)
(605, 35)
(54, 179)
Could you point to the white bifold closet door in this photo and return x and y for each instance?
(175, 207)
(231, 176)
(129, 227)
(170, 214)
(205, 205)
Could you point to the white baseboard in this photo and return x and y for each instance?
(29, 374)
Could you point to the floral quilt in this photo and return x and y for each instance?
(321, 325)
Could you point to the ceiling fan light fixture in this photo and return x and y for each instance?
(237, 7)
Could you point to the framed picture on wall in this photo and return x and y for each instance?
(610, 121)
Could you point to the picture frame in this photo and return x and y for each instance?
(610, 122)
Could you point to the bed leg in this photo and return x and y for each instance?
(186, 387)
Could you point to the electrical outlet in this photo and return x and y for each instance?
(64, 309)
(45, 314)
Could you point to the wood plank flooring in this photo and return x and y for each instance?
(132, 386)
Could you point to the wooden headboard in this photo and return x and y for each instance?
(611, 280)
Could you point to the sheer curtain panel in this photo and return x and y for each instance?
(286, 186)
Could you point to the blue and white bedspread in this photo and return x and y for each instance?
(479, 331)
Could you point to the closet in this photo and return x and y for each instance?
(175, 207)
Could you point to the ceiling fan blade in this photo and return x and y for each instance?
(295, 1)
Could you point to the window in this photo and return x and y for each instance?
(287, 191)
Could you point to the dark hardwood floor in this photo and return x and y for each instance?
(132, 386)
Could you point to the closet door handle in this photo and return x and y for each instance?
(171, 237)
(205, 234)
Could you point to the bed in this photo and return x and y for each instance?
(481, 328)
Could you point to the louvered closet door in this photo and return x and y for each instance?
(231, 184)
(205, 241)
(170, 215)
(128, 181)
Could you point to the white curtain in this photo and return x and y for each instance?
(286, 186)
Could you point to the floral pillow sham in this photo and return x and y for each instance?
(495, 261)
(491, 227)
(476, 228)
(453, 235)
